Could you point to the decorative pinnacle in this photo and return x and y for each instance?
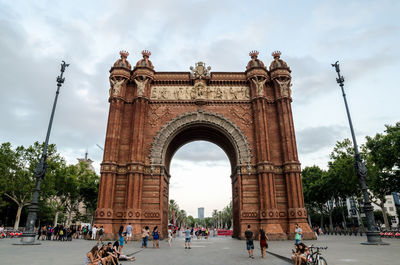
(253, 54)
(146, 53)
(276, 54)
(124, 54)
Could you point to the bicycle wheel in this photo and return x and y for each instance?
(322, 261)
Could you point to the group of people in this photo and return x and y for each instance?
(58, 232)
(109, 254)
(248, 234)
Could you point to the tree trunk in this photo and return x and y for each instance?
(18, 216)
(385, 219)
(330, 220)
(344, 219)
(56, 219)
(322, 217)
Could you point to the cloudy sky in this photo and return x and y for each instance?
(36, 35)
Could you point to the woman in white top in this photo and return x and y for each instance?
(169, 236)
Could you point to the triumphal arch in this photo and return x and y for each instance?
(248, 114)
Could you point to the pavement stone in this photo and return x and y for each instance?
(211, 251)
(342, 250)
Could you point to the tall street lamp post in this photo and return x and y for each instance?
(28, 236)
(373, 237)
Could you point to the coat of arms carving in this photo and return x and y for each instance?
(200, 71)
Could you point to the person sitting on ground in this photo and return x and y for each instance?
(117, 253)
(92, 257)
(301, 257)
(295, 253)
(156, 236)
(104, 256)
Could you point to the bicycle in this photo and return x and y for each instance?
(315, 257)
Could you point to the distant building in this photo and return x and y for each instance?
(87, 161)
(200, 212)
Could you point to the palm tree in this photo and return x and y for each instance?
(172, 207)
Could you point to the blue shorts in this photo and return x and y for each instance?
(249, 244)
(297, 241)
(187, 239)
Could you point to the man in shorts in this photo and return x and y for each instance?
(248, 234)
(187, 238)
(129, 229)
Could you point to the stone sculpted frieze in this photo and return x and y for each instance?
(200, 91)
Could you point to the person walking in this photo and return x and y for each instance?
(129, 230)
(156, 236)
(145, 236)
(121, 237)
(94, 232)
(169, 236)
(101, 233)
(248, 234)
(298, 235)
(187, 238)
(263, 243)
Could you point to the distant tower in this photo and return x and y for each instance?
(87, 161)
(200, 213)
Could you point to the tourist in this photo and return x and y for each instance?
(301, 255)
(145, 236)
(92, 257)
(295, 253)
(129, 230)
(156, 236)
(248, 234)
(39, 232)
(101, 233)
(117, 254)
(187, 238)
(121, 237)
(298, 235)
(263, 243)
(94, 232)
(169, 236)
(44, 232)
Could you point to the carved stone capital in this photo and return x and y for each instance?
(295, 213)
(104, 213)
(269, 214)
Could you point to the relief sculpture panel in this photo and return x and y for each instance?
(200, 91)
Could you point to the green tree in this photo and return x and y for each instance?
(342, 180)
(316, 191)
(17, 173)
(383, 162)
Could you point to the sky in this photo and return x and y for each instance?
(36, 35)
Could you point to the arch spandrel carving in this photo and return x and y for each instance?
(214, 120)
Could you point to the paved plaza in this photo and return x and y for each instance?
(341, 250)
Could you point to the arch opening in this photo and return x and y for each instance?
(200, 132)
(200, 177)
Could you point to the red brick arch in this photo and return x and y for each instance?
(248, 114)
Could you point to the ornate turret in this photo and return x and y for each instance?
(144, 67)
(119, 74)
(145, 62)
(254, 62)
(280, 73)
(123, 62)
(278, 67)
(256, 74)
